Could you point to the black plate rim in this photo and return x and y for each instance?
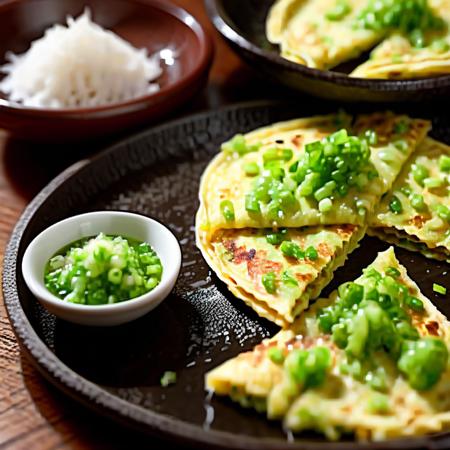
(101, 401)
(225, 27)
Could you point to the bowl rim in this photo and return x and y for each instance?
(204, 59)
(42, 294)
(225, 26)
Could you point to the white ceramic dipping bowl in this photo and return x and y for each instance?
(125, 224)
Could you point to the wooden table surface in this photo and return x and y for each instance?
(33, 414)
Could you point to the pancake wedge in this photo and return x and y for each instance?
(226, 183)
(372, 360)
(306, 36)
(243, 257)
(416, 213)
(397, 58)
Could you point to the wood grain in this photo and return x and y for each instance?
(33, 415)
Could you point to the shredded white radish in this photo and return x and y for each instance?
(79, 65)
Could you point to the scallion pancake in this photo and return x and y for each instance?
(347, 400)
(241, 257)
(225, 177)
(306, 36)
(422, 228)
(397, 58)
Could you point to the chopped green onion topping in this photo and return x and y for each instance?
(378, 403)
(410, 17)
(417, 202)
(104, 269)
(252, 204)
(443, 212)
(239, 146)
(414, 303)
(292, 250)
(440, 46)
(269, 282)
(370, 136)
(311, 253)
(432, 183)
(276, 355)
(251, 169)
(286, 278)
(439, 289)
(327, 169)
(168, 378)
(340, 10)
(308, 368)
(275, 154)
(401, 127)
(325, 205)
(227, 209)
(276, 238)
(393, 272)
(423, 361)
(375, 316)
(395, 205)
(444, 163)
(419, 173)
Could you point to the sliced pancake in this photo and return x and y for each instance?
(226, 181)
(242, 258)
(397, 58)
(308, 37)
(386, 375)
(416, 212)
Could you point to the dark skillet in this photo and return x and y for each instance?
(116, 371)
(242, 22)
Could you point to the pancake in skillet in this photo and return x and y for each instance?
(416, 213)
(306, 36)
(397, 58)
(283, 157)
(245, 258)
(372, 360)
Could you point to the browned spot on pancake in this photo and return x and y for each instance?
(433, 327)
(297, 140)
(304, 277)
(224, 193)
(240, 254)
(324, 250)
(344, 231)
(258, 265)
(417, 221)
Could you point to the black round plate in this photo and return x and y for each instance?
(242, 24)
(116, 371)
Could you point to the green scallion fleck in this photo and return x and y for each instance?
(292, 250)
(339, 11)
(433, 182)
(251, 169)
(444, 163)
(168, 378)
(418, 202)
(276, 355)
(227, 209)
(269, 282)
(311, 253)
(395, 205)
(439, 289)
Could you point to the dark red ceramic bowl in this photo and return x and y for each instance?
(153, 24)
